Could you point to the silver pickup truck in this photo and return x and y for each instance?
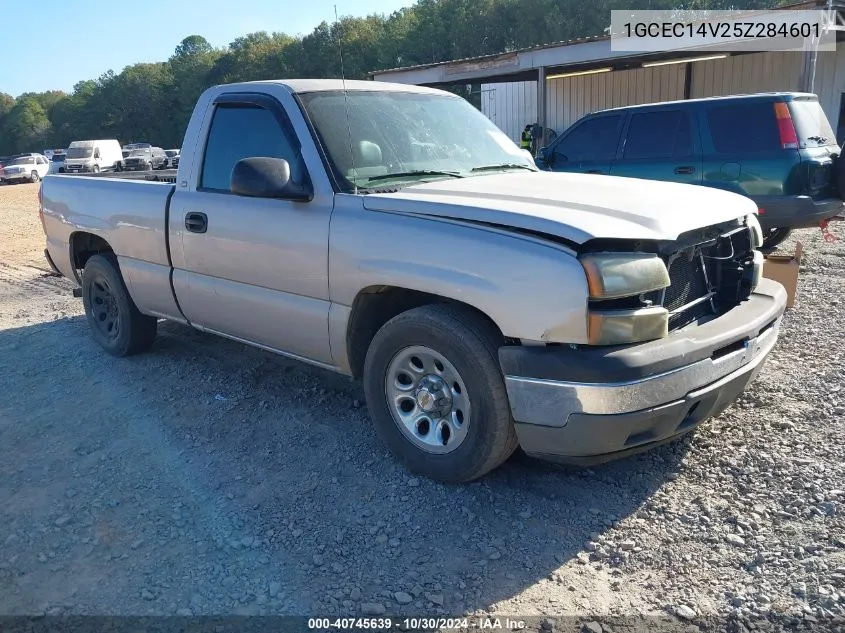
(394, 234)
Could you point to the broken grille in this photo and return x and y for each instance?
(706, 279)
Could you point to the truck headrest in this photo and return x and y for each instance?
(367, 154)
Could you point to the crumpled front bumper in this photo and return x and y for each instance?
(589, 405)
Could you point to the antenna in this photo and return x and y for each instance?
(345, 99)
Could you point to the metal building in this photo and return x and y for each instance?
(556, 84)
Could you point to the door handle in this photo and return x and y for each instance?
(685, 169)
(196, 222)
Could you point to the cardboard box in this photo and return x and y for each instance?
(784, 270)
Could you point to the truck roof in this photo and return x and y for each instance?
(321, 85)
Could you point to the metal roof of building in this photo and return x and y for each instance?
(522, 64)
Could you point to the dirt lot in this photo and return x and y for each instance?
(210, 478)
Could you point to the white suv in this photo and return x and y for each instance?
(25, 168)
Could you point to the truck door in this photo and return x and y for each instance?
(254, 269)
(660, 144)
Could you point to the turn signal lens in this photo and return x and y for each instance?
(757, 273)
(619, 327)
(753, 223)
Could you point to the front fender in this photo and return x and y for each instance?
(531, 289)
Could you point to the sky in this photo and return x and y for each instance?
(68, 42)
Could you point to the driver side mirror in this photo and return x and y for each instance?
(546, 156)
(262, 177)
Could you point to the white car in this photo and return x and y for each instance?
(25, 168)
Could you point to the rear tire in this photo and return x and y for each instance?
(116, 324)
(839, 172)
(775, 237)
(458, 370)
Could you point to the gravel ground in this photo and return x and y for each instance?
(211, 478)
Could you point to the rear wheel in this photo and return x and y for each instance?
(436, 394)
(775, 237)
(839, 173)
(116, 324)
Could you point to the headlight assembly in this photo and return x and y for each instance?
(616, 275)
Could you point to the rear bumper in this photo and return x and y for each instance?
(593, 404)
(796, 212)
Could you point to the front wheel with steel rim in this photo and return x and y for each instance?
(34, 177)
(115, 321)
(436, 394)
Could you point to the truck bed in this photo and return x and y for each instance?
(128, 211)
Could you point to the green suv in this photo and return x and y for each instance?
(777, 149)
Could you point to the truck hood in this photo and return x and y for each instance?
(575, 207)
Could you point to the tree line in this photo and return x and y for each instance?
(153, 101)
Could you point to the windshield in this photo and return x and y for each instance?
(58, 158)
(811, 124)
(402, 132)
(23, 160)
(171, 153)
(139, 152)
(80, 152)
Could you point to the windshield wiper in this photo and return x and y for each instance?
(503, 166)
(416, 172)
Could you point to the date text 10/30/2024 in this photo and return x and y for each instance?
(415, 624)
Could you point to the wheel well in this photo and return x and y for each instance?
(84, 245)
(375, 306)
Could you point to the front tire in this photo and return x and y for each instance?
(775, 237)
(436, 394)
(95, 169)
(34, 177)
(116, 324)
